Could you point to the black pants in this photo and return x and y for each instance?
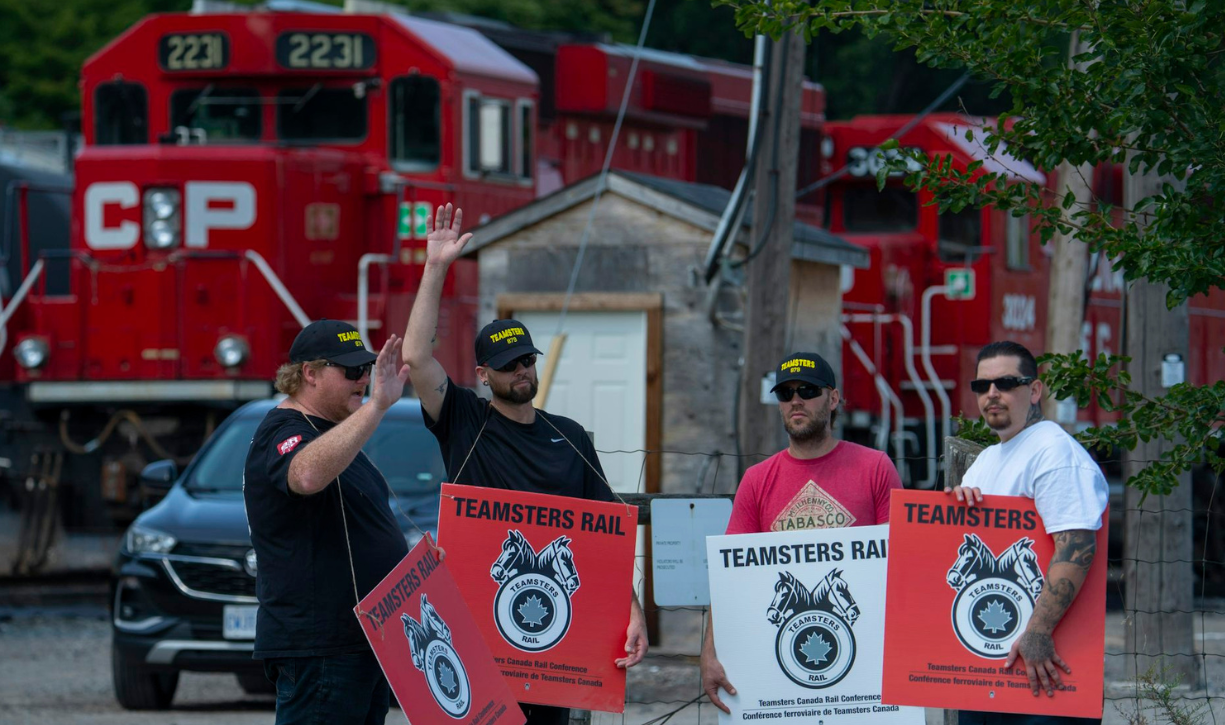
(969, 717)
(545, 714)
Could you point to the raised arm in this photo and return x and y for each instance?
(443, 246)
(1074, 552)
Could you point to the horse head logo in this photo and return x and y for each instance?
(835, 593)
(790, 596)
(516, 554)
(557, 560)
(974, 561)
(1021, 562)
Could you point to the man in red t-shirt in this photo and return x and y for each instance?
(817, 482)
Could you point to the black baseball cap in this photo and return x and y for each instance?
(807, 367)
(331, 340)
(501, 341)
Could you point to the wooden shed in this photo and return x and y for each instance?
(645, 364)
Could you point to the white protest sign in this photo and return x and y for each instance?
(799, 622)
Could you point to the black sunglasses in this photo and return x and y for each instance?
(527, 360)
(353, 372)
(806, 392)
(1004, 384)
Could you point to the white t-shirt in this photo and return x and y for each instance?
(1046, 464)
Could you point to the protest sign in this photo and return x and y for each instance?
(549, 579)
(429, 647)
(799, 625)
(963, 583)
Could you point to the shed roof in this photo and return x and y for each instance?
(698, 204)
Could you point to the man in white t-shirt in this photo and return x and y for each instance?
(1037, 459)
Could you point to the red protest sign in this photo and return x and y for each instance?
(549, 579)
(428, 646)
(962, 585)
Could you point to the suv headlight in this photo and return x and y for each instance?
(162, 227)
(140, 540)
(32, 352)
(231, 351)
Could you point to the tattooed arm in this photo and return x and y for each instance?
(443, 246)
(1074, 552)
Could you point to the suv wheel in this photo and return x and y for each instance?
(138, 688)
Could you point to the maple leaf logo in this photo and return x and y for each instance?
(994, 618)
(533, 612)
(446, 678)
(815, 649)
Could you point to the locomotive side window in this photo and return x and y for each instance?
(960, 235)
(320, 114)
(231, 114)
(864, 209)
(488, 139)
(525, 140)
(415, 124)
(121, 113)
(1017, 240)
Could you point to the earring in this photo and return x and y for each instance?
(485, 383)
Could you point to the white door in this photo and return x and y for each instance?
(600, 382)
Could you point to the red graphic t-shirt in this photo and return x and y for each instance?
(849, 486)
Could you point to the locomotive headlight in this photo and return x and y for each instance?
(231, 351)
(162, 218)
(32, 353)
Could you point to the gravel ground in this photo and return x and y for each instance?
(55, 668)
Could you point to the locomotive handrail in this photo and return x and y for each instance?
(888, 400)
(908, 357)
(277, 286)
(363, 291)
(925, 350)
(18, 298)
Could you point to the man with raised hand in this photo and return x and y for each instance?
(321, 525)
(816, 482)
(503, 442)
(1037, 459)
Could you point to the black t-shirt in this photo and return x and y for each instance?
(521, 457)
(304, 584)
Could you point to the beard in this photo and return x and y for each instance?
(814, 429)
(514, 393)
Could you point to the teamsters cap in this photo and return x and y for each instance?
(807, 367)
(331, 340)
(501, 341)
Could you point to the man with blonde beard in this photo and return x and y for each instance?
(817, 482)
(321, 526)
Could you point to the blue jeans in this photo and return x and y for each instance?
(333, 690)
(968, 717)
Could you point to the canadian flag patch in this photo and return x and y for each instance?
(288, 444)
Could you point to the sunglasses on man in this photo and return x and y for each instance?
(806, 392)
(352, 372)
(526, 360)
(1004, 384)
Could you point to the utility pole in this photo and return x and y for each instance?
(768, 279)
(1158, 599)
(1065, 309)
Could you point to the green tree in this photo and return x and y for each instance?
(1148, 95)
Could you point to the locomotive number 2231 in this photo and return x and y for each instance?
(193, 51)
(324, 51)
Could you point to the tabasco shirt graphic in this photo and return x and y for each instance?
(812, 508)
(532, 607)
(995, 594)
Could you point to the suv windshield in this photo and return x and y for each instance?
(402, 449)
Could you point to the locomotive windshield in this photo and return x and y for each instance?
(321, 114)
(225, 114)
(893, 209)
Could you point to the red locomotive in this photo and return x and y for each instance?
(243, 173)
(941, 286)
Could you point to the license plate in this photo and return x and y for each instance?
(238, 621)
